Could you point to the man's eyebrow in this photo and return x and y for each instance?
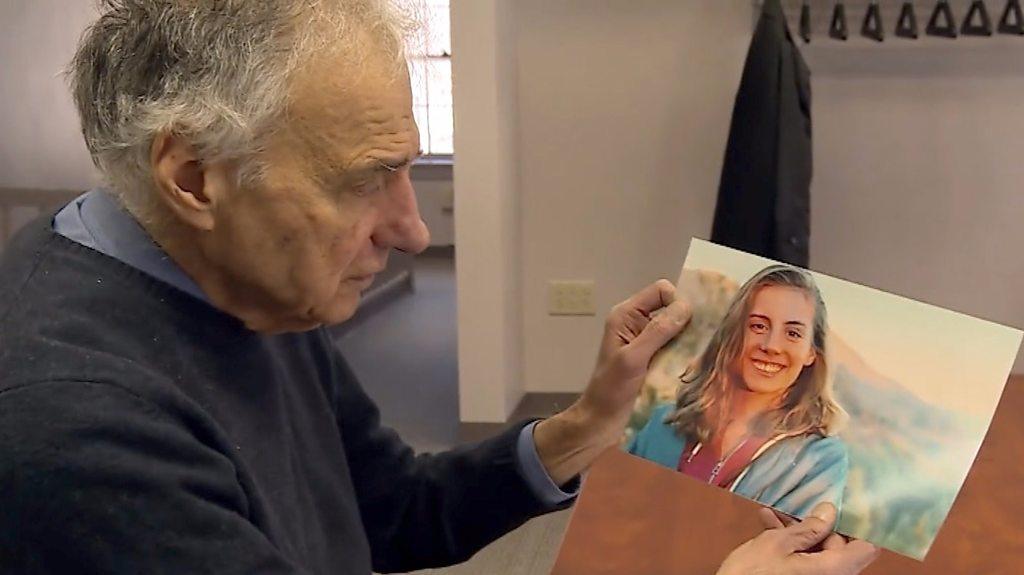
(374, 165)
(395, 164)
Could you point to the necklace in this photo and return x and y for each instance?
(721, 462)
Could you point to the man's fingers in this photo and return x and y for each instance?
(833, 542)
(659, 330)
(769, 519)
(655, 296)
(772, 519)
(858, 554)
(811, 531)
(629, 318)
(826, 512)
(804, 535)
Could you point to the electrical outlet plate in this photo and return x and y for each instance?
(571, 297)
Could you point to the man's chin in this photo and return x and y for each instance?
(341, 310)
(337, 311)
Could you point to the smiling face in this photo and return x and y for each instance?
(777, 340)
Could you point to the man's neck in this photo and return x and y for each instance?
(191, 252)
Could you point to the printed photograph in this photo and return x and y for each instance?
(791, 387)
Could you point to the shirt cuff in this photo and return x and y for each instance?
(536, 477)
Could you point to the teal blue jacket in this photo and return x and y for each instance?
(791, 474)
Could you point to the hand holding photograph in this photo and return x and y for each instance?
(791, 388)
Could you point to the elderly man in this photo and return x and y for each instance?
(169, 402)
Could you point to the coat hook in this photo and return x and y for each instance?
(805, 21)
(947, 30)
(983, 27)
(872, 25)
(1012, 21)
(906, 27)
(838, 28)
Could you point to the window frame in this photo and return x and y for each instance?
(424, 59)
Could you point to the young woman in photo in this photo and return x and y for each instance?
(755, 413)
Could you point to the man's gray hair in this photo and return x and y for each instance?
(215, 72)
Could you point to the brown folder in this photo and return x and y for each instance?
(635, 517)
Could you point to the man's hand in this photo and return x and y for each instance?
(636, 328)
(789, 547)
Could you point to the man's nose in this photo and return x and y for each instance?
(400, 225)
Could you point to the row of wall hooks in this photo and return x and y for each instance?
(942, 23)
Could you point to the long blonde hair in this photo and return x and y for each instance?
(808, 406)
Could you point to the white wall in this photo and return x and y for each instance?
(919, 174)
(624, 114)
(434, 195)
(590, 137)
(487, 204)
(41, 145)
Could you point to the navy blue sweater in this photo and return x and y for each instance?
(144, 431)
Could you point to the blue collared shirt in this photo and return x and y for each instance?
(97, 221)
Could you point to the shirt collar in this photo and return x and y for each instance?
(96, 220)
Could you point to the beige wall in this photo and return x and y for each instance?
(434, 195)
(919, 173)
(41, 145)
(590, 136)
(487, 207)
(624, 113)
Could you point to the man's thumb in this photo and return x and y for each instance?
(662, 327)
(811, 531)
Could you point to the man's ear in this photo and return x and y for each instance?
(184, 183)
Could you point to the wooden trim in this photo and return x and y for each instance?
(539, 405)
(439, 251)
(432, 171)
(36, 196)
(532, 406)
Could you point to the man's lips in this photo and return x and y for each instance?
(368, 276)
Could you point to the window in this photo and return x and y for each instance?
(430, 72)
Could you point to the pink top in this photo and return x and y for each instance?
(710, 467)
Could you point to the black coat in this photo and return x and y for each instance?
(764, 194)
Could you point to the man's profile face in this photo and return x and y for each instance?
(335, 198)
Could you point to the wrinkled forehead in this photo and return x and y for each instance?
(339, 112)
